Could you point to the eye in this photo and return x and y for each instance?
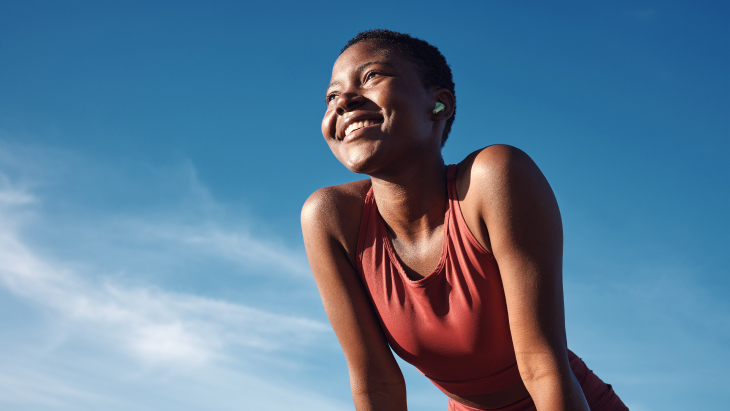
(330, 97)
(371, 74)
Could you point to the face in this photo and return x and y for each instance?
(379, 114)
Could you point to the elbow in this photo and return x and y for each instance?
(543, 370)
(555, 390)
(382, 395)
(538, 376)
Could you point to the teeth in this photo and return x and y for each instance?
(359, 124)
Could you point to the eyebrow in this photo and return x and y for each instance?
(360, 69)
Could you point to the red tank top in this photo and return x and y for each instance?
(452, 325)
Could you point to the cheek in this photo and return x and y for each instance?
(398, 111)
(329, 125)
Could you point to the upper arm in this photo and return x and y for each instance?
(522, 218)
(330, 225)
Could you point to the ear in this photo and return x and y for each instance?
(445, 97)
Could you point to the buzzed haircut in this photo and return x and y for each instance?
(432, 66)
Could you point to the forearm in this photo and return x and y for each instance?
(379, 397)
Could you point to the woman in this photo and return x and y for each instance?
(457, 268)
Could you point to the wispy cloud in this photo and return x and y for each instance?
(11, 196)
(245, 249)
(24, 387)
(237, 245)
(201, 340)
(152, 324)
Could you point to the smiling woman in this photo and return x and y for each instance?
(457, 268)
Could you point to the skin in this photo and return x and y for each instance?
(505, 200)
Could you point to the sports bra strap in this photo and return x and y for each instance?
(451, 172)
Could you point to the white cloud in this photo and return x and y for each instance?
(246, 250)
(152, 324)
(239, 246)
(125, 342)
(178, 213)
(15, 197)
(24, 387)
(209, 388)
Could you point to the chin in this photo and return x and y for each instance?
(361, 164)
(357, 165)
(360, 160)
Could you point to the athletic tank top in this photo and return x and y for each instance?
(452, 325)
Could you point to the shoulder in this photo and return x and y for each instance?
(496, 162)
(335, 212)
(335, 202)
(501, 183)
(497, 168)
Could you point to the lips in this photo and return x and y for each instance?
(356, 122)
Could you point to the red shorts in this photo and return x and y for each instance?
(600, 396)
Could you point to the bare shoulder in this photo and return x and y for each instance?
(495, 163)
(330, 205)
(500, 187)
(334, 212)
(494, 171)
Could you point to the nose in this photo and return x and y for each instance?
(348, 101)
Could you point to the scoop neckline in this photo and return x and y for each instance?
(421, 282)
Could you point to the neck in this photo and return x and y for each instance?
(413, 200)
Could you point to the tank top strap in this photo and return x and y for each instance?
(368, 212)
(451, 184)
(451, 172)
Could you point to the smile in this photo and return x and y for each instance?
(360, 124)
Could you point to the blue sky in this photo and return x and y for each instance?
(154, 157)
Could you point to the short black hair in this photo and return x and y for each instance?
(432, 66)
